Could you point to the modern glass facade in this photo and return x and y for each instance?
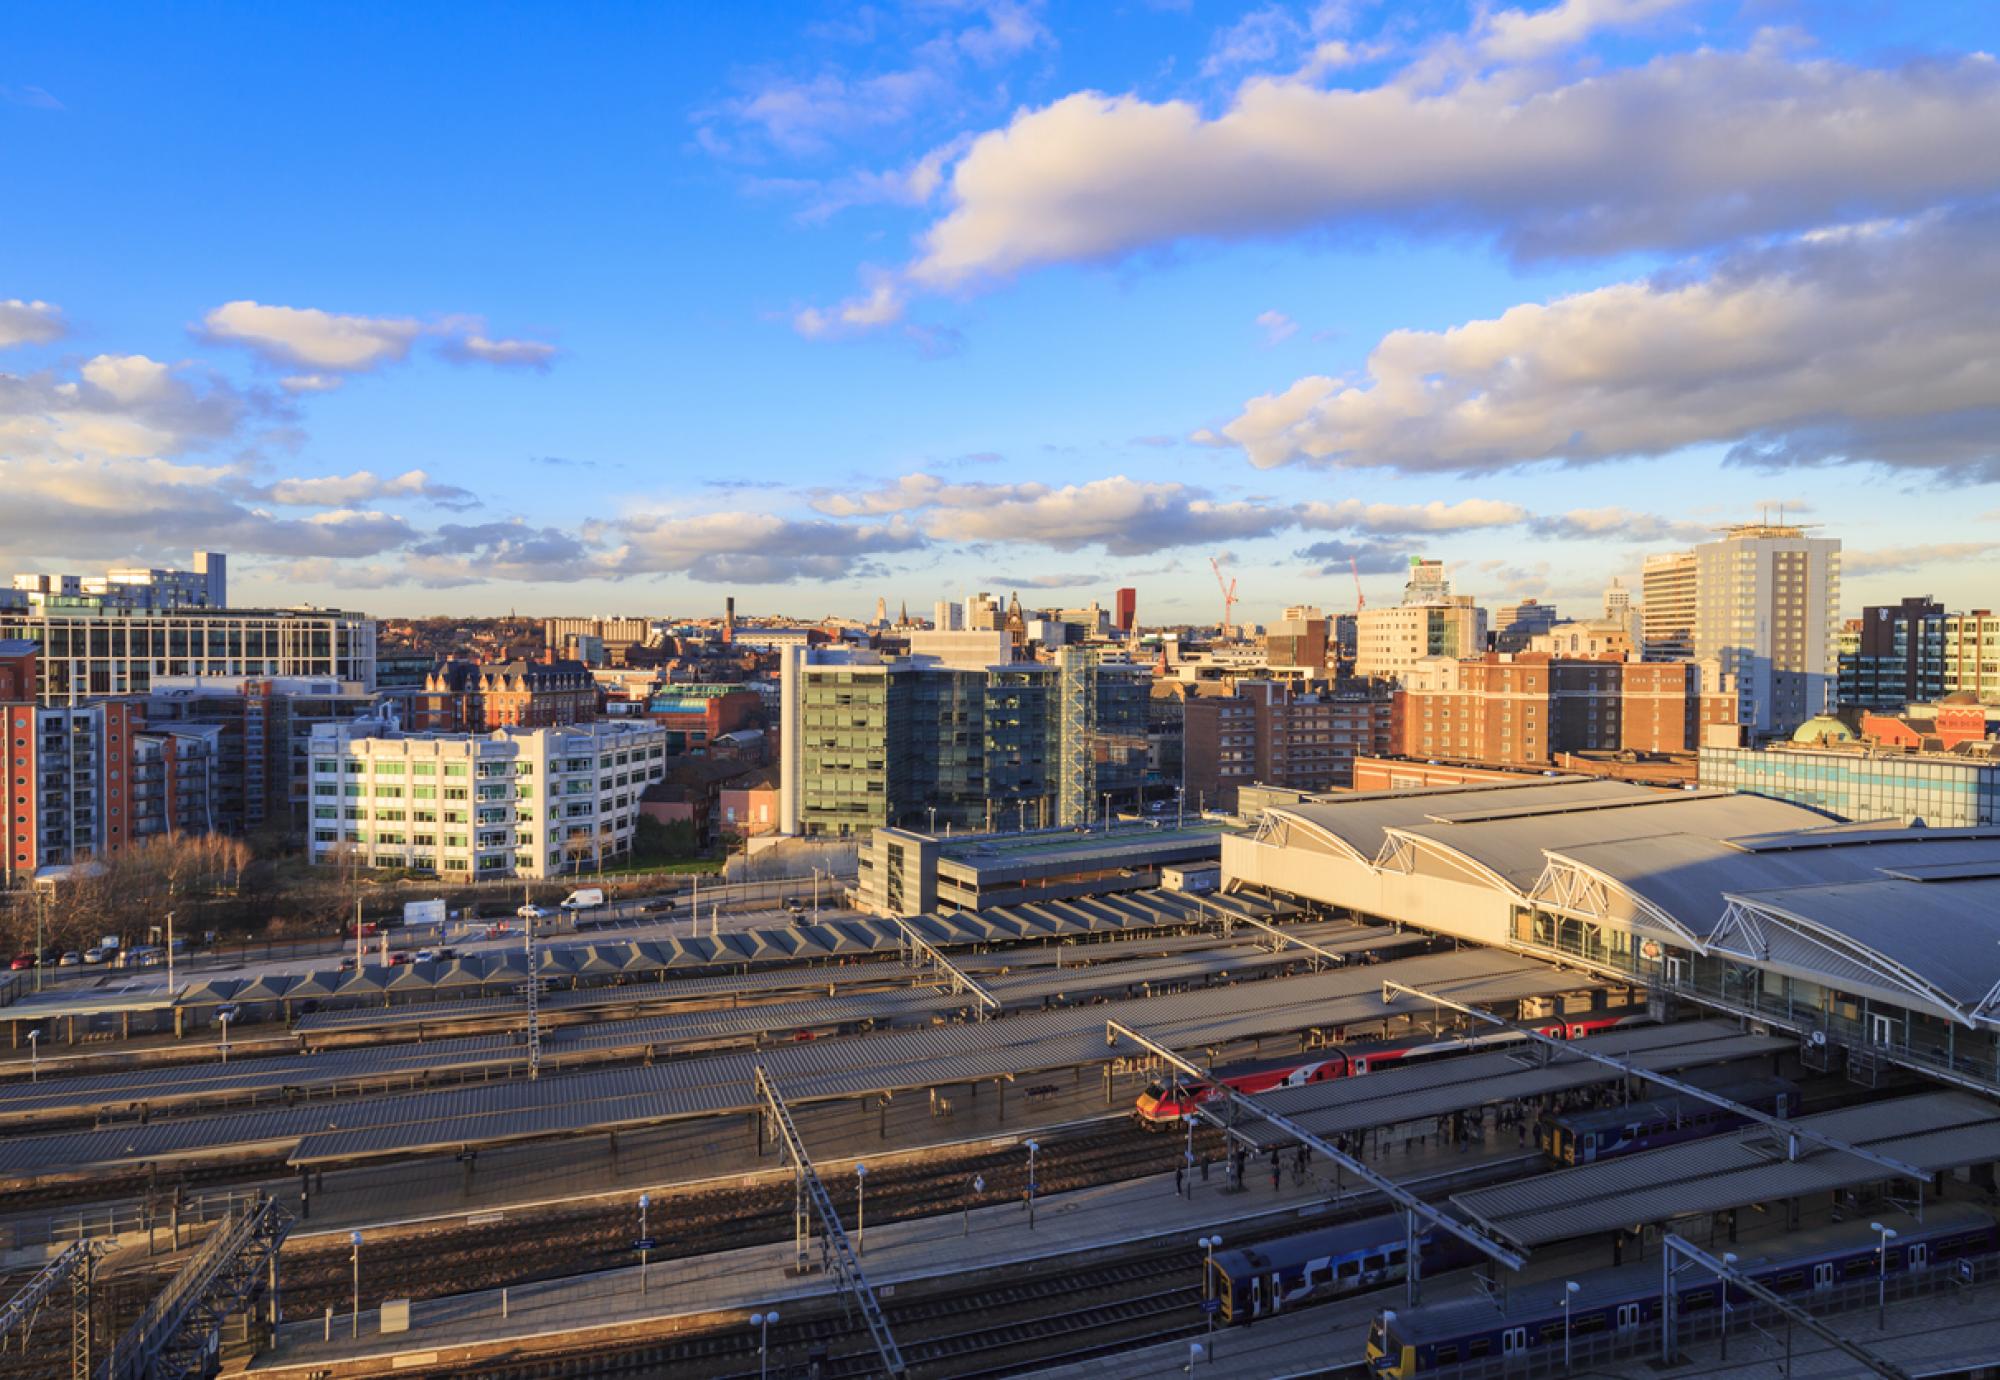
(1943, 792)
(108, 651)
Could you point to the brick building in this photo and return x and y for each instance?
(68, 772)
(461, 697)
(696, 715)
(1268, 732)
(1524, 709)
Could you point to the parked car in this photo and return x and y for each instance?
(69, 959)
(21, 961)
(98, 955)
(426, 956)
(584, 898)
(399, 958)
(347, 964)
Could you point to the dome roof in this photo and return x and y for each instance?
(1823, 728)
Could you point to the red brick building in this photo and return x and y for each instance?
(1271, 734)
(1527, 708)
(1941, 727)
(461, 697)
(68, 772)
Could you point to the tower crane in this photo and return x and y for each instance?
(1360, 599)
(1228, 596)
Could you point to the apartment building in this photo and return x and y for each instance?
(104, 650)
(1391, 641)
(1524, 709)
(67, 769)
(1300, 638)
(206, 586)
(1767, 613)
(1896, 656)
(1667, 606)
(516, 802)
(1271, 733)
(466, 697)
(1972, 654)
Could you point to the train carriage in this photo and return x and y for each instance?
(1441, 1337)
(1584, 1137)
(1256, 1281)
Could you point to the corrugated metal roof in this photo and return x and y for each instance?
(1359, 821)
(1933, 1130)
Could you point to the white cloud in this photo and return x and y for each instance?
(880, 305)
(309, 383)
(1837, 349)
(1686, 151)
(116, 407)
(1276, 326)
(1619, 524)
(517, 354)
(1527, 35)
(1466, 515)
(365, 486)
(28, 323)
(754, 548)
(311, 338)
(1901, 560)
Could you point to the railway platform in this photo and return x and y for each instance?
(722, 1288)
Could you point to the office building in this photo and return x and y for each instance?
(695, 716)
(1897, 655)
(869, 741)
(85, 653)
(1391, 641)
(1618, 608)
(1299, 638)
(606, 639)
(1270, 733)
(1428, 582)
(206, 586)
(1767, 613)
(1583, 637)
(1667, 611)
(1852, 780)
(1127, 602)
(1972, 654)
(516, 802)
(1524, 709)
(947, 616)
(1516, 625)
(912, 872)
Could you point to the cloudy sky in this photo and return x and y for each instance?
(623, 308)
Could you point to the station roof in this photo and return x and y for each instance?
(1358, 823)
(327, 1131)
(995, 859)
(1936, 1131)
(1439, 1086)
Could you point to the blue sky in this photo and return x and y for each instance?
(624, 308)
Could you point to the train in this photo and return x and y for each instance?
(1163, 1105)
(1444, 1336)
(1584, 1137)
(1257, 1281)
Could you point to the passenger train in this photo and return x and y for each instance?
(1439, 1337)
(1260, 1280)
(1163, 1105)
(1584, 1137)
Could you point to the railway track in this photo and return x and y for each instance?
(581, 1240)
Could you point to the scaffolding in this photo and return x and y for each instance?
(1412, 1207)
(233, 1272)
(836, 1252)
(1076, 746)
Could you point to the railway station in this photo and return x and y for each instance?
(1421, 1062)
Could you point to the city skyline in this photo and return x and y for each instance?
(633, 314)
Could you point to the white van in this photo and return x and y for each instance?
(586, 898)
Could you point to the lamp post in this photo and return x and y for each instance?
(860, 1209)
(1569, 1292)
(1208, 1299)
(645, 1249)
(224, 1016)
(1728, 1258)
(762, 1322)
(933, 810)
(35, 1055)
(1887, 1234)
(1033, 1147)
(354, 1240)
(978, 1187)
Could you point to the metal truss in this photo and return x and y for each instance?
(914, 946)
(234, 1270)
(812, 1201)
(1413, 1207)
(1579, 891)
(1791, 1131)
(1695, 1255)
(1338, 960)
(74, 1268)
(1747, 931)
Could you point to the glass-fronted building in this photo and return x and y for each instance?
(1944, 791)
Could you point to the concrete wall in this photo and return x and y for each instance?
(1465, 910)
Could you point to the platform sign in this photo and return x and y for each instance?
(1211, 1305)
(645, 1243)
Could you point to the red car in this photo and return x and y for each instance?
(22, 961)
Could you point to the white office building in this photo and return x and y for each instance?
(1767, 613)
(528, 803)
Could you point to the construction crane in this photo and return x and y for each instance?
(1360, 599)
(1228, 596)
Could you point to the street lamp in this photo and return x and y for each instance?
(35, 1055)
(933, 810)
(645, 1241)
(1728, 1258)
(1888, 1234)
(978, 1187)
(354, 1240)
(762, 1322)
(1569, 1292)
(860, 1209)
(1209, 1303)
(225, 1015)
(1033, 1147)
(1188, 1117)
